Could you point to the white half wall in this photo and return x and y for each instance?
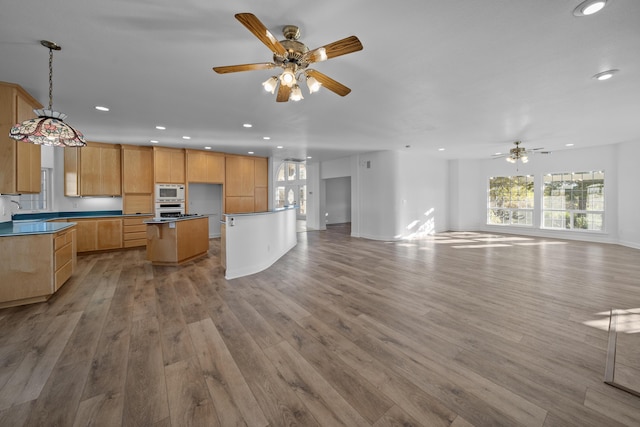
(255, 241)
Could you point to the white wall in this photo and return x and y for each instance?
(315, 204)
(206, 199)
(335, 168)
(376, 190)
(422, 196)
(628, 194)
(463, 193)
(338, 200)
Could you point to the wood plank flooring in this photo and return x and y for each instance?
(459, 329)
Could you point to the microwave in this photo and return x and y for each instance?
(169, 193)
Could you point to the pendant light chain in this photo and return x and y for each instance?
(50, 79)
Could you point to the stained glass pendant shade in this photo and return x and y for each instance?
(49, 127)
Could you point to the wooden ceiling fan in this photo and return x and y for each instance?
(294, 57)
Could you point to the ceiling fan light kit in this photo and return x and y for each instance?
(49, 127)
(294, 57)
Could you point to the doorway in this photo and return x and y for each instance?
(291, 188)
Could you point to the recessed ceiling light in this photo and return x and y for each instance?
(440, 149)
(568, 145)
(605, 75)
(186, 137)
(161, 127)
(153, 141)
(250, 152)
(279, 146)
(102, 108)
(266, 138)
(309, 157)
(589, 7)
(207, 148)
(497, 154)
(247, 125)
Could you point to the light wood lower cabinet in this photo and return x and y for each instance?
(134, 231)
(97, 234)
(34, 266)
(176, 242)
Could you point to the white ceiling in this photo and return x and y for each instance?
(465, 75)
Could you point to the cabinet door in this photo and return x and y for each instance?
(162, 166)
(177, 167)
(28, 166)
(86, 235)
(239, 176)
(169, 165)
(109, 233)
(137, 170)
(90, 170)
(110, 171)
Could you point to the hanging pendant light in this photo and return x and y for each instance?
(49, 127)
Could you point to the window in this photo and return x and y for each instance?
(510, 200)
(291, 186)
(37, 202)
(573, 201)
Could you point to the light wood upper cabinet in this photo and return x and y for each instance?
(169, 165)
(137, 179)
(205, 167)
(20, 162)
(261, 172)
(93, 170)
(239, 180)
(137, 169)
(246, 184)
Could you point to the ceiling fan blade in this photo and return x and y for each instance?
(331, 50)
(258, 29)
(283, 93)
(329, 83)
(244, 67)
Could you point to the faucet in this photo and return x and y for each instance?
(19, 205)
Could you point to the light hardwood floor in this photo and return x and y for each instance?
(459, 329)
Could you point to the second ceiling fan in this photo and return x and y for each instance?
(294, 57)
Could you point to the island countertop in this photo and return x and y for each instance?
(164, 220)
(13, 228)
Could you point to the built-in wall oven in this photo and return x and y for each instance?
(169, 200)
(169, 193)
(169, 209)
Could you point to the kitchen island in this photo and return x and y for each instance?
(173, 241)
(37, 259)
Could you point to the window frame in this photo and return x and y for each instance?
(569, 215)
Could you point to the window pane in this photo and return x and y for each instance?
(291, 171)
(280, 176)
(511, 200)
(303, 171)
(574, 201)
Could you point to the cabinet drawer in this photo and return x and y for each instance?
(135, 221)
(61, 240)
(63, 274)
(134, 236)
(134, 243)
(63, 255)
(135, 228)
